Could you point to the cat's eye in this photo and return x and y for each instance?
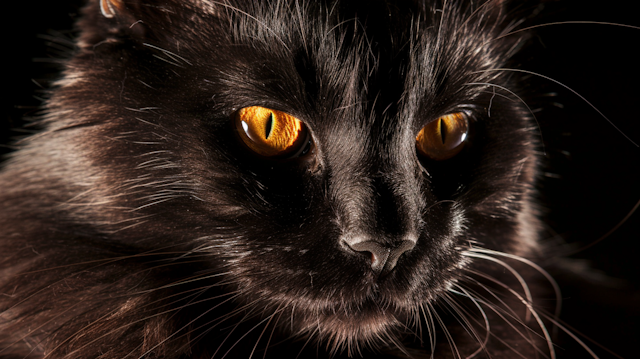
(109, 7)
(443, 138)
(270, 133)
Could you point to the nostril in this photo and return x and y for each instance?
(379, 254)
(394, 255)
(383, 257)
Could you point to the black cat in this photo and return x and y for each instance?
(279, 179)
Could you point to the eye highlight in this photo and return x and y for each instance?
(443, 138)
(270, 133)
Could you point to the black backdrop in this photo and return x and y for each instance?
(593, 172)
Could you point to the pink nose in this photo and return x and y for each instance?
(384, 257)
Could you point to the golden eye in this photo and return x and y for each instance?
(443, 138)
(270, 133)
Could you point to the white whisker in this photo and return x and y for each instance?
(447, 334)
(517, 275)
(430, 327)
(526, 301)
(505, 314)
(487, 326)
(271, 316)
(554, 284)
(233, 296)
(574, 92)
(567, 23)
(494, 86)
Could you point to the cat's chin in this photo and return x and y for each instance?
(369, 311)
(366, 327)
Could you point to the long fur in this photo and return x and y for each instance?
(137, 225)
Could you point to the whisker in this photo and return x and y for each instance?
(513, 349)
(267, 319)
(570, 331)
(52, 319)
(494, 86)
(476, 11)
(527, 302)
(552, 318)
(572, 91)
(508, 311)
(484, 316)
(430, 327)
(235, 326)
(212, 324)
(109, 260)
(264, 356)
(270, 317)
(462, 316)
(135, 322)
(447, 334)
(567, 23)
(554, 284)
(82, 329)
(517, 275)
(311, 335)
(185, 281)
(610, 232)
(505, 310)
(235, 295)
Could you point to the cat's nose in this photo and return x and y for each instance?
(384, 257)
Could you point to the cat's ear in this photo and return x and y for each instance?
(112, 20)
(117, 16)
(115, 20)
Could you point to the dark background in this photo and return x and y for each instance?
(592, 179)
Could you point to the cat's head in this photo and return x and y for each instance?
(336, 161)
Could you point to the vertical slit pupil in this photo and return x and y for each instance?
(443, 131)
(269, 126)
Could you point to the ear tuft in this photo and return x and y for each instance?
(110, 7)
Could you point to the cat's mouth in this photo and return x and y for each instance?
(347, 324)
(366, 324)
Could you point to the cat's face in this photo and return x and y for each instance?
(344, 165)
(357, 227)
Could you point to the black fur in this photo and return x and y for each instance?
(136, 224)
